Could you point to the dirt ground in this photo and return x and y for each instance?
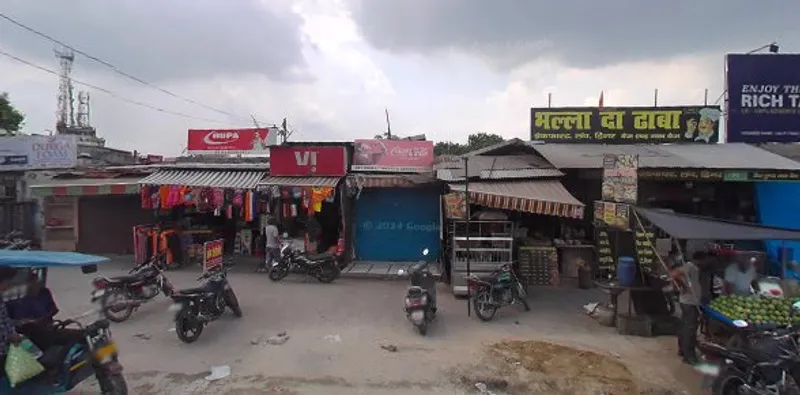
(351, 337)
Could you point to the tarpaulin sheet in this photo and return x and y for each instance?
(684, 226)
(777, 204)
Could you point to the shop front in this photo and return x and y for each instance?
(396, 201)
(519, 213)
(89, 213)
(303, 193)
(193, 204)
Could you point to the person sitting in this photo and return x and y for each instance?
(740, 277)
(33, 315)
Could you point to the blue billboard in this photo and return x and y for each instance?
(763, 98)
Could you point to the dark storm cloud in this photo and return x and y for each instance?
(161, 40)
(584, 33)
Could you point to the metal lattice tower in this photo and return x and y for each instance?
(83, 115)
(65, 116)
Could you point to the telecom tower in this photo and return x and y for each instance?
(68, 121)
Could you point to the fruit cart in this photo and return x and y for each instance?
(717, 322)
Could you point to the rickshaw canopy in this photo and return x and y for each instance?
(38, 259)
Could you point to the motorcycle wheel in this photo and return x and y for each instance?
(233, 303)
(521, 294)
(115, 384)
(187, 327)
(278, 273)
(327, 275)
(115, 314)
(423, 328)
(727, 383)
(481, 300)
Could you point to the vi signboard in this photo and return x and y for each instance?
(308, 161)
(626, 125)
(763, 98)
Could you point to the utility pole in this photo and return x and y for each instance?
(388, 125)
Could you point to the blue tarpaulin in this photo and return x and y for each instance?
(778, 204)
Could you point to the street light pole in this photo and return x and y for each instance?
(466, 204)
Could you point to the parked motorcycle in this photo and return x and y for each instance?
(124, 294)
(323, 267)
(196, 307)
(764, 362)
(420, 300)
(502, 289)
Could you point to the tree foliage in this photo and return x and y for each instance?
(475, 141)
(11, 119)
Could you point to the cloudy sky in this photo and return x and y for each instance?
(446, 68)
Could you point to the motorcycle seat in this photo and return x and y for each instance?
(128, 278)
(415, 291)
(192, 291)
(325, 256)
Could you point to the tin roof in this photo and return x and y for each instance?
(236, 179)
(286, 181)
(547, 197)
(710, 156)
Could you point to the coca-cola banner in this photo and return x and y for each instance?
(402, 156)
(231, 141)
(308, 161)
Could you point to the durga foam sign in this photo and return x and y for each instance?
(231, 141)
(401, 156)
(38, 152)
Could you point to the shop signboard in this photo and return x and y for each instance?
(401, 156)
(763, 98)
(718, 175)
(455, 204)
(20, 153)
(231, 141)
(620, 182)
(626, 125)
(613, 215)
(212, 255)
(299, 161)
(605, 250)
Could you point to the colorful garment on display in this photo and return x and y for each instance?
(146, 197)
(229, 211)
(238, 199)
(218, 198)
(173, 197)
(318, 195)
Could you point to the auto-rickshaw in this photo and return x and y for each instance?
(66, 365)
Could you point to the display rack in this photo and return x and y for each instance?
(487, 245)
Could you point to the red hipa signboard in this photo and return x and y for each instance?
(308, 161)
(231, 141)
(402, 156)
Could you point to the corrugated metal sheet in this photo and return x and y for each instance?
(79, 182)
(300, 181)
(535, 196)
(205, 178)
(709, 156)
(498, 167)
(791, 151)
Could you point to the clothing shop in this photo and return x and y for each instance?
(193, 204)
(396, 201)
(303, 193)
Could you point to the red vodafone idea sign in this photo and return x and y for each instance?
(308, 161)
(230, 141)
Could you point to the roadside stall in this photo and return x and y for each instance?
(765, 307)
(192, 206)
(304, 194)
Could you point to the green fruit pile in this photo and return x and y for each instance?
(757, 310)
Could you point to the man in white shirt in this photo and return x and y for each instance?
(272, 240)
(740, 277)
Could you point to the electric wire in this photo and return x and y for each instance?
(113, 94)
(116, 69)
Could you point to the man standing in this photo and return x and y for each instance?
(694, 291)
(740, 277)
(273, 244)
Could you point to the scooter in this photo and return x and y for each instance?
(420, 300)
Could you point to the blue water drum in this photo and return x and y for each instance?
(626, 270)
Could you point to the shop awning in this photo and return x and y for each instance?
(235, 179)
(546, 197)
(391, 180)
(285, 181)
(690, 227)
(85, 187)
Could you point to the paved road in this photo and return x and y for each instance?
(335, 336)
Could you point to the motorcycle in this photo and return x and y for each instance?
(502, 289)
(420, 300)
(124, 294)
(196, 307)
(323, 267)
(765, 362)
